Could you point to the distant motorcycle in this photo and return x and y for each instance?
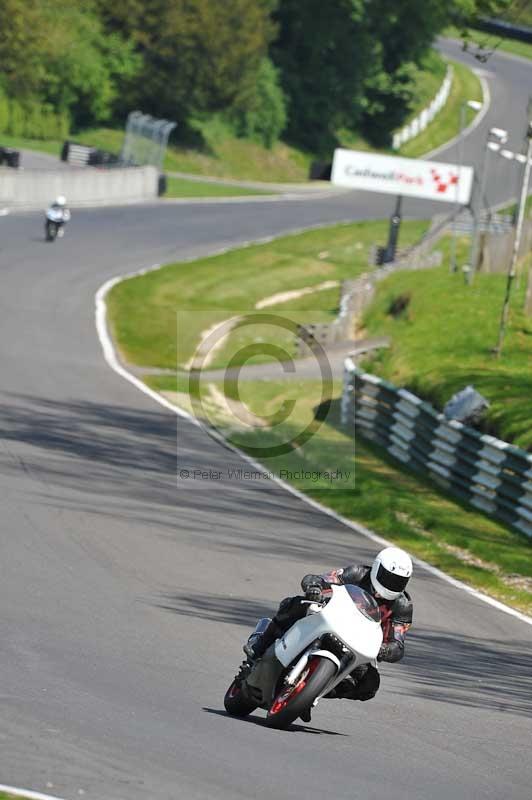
(56, 217)
(310, 659)
(53, 224)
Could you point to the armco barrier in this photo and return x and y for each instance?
(488, 473)
(32, 188)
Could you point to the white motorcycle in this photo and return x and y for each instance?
(54, 223)
(310, 659)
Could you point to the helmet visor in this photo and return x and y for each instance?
(391, 580)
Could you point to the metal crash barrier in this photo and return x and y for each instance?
(488, 473)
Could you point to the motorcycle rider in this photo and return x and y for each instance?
(386, 580)
(59, 213)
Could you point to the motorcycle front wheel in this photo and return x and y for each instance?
(237, 703)
(51, 231)
(292, 701)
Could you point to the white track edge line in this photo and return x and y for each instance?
(112, 360)
(15, 790)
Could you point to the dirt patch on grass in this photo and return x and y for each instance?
(206, 350)
(236, 413)
(285, 297)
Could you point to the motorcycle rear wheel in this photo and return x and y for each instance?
(290, 703)
(237, 703)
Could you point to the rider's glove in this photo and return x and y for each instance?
(313, 593)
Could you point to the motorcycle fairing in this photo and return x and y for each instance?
(265, 675)
(363, 636)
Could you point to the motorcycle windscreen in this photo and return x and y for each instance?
(365, 603)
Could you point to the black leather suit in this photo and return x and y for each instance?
(396, 619)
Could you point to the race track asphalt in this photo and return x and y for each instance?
(127, 592)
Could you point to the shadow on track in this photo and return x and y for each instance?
(216, 608)
(470, 672)
(117, 453)
(294, 728)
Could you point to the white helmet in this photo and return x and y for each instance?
(390, 572)
(60, 200)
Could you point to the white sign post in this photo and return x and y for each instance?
(409, 177)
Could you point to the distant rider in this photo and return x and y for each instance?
(386, 580)
(59, 213)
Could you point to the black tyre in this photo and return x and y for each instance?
(290, 703)
(237, 703)
(51, 231)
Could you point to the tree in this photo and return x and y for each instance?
(22, 46)
(85, 66)
(402, 34)
(198, 55)
(352, 64)
(266, 118)
(62, 56)
(322, 51)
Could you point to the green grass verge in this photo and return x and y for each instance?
(157, 318)
(318, 307)
(180, 187)
(445, 125)
(484, 43)
(365, 485)
(444, 340)
(40, 145)
(241, 159)
(103, 138)
(227, 156)
(4, 796)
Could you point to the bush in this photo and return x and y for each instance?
(32, 120)
(389, 98)
(17, 122)
(266, 119)
(4, 113)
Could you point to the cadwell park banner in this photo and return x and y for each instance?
(402, 176)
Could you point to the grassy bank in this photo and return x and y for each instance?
(444, 339)
(451, 320)
(50, 146)
(146, 311)
(225, 156)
